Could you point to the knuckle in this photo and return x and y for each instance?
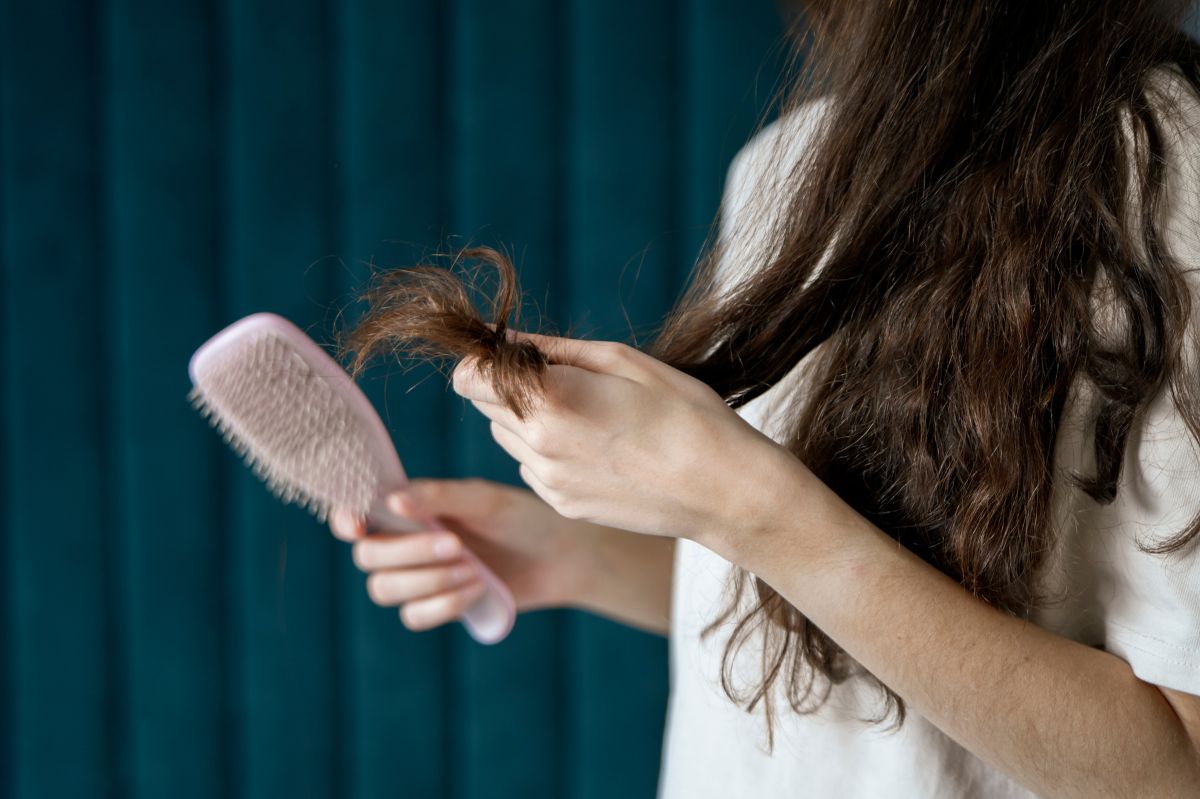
(411, 618)
(540, 439)
(418, 616)
(561, 495)
(431, 492)
(553, 396)
(376, 590)
(500, 435)
(457, 602)
(428, 582)
(615, 349)
(556, 498)
(612, 351)
(553, 475)
(361, 553)
(438, 580)
(442, 546)
(450, 577)
(567, 507)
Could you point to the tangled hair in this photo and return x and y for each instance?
(428, 312)
(979, 169)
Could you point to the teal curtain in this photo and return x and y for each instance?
(168, 629)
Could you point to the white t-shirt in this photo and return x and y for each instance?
(1144, 608)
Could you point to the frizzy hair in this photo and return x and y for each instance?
(978, 171)
(428, 312)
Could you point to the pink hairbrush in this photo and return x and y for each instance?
(309, 432)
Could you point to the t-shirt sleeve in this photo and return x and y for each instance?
(739, 244)
(757, 187)
(1152, 601)
(1152, 618)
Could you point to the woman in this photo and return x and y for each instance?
(945, 546)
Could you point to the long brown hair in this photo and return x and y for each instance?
(936, 249)
(966, 188)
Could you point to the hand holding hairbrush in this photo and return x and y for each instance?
(309, 432)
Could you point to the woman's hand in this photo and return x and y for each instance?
(540, 555)
(621, 439)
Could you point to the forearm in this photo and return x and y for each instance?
(1060, 717)
(623, 576)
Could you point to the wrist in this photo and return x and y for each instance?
(573, 571)
(772, 506)
(799, 536)
(623, 576)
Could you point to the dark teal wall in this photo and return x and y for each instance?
(168, 629)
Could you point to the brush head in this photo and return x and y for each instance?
(294, 414)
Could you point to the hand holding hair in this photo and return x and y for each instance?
(618, 438)
(603, 432)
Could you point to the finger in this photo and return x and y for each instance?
(397, 586)
(567, 388)
(408, 549)
(432, 611)
(534, 483)
(500, 414)
(427, 498)
(607, 357)
(470, 383)
(346, 525)
(514, 445)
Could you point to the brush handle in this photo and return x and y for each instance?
(492, 616)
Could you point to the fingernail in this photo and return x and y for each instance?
(460, 574)
(445, 547)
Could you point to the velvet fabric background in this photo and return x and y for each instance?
(168, 629)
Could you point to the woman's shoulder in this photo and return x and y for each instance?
(758, 187)
(770, 155)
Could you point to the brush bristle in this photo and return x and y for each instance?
(292, 428)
